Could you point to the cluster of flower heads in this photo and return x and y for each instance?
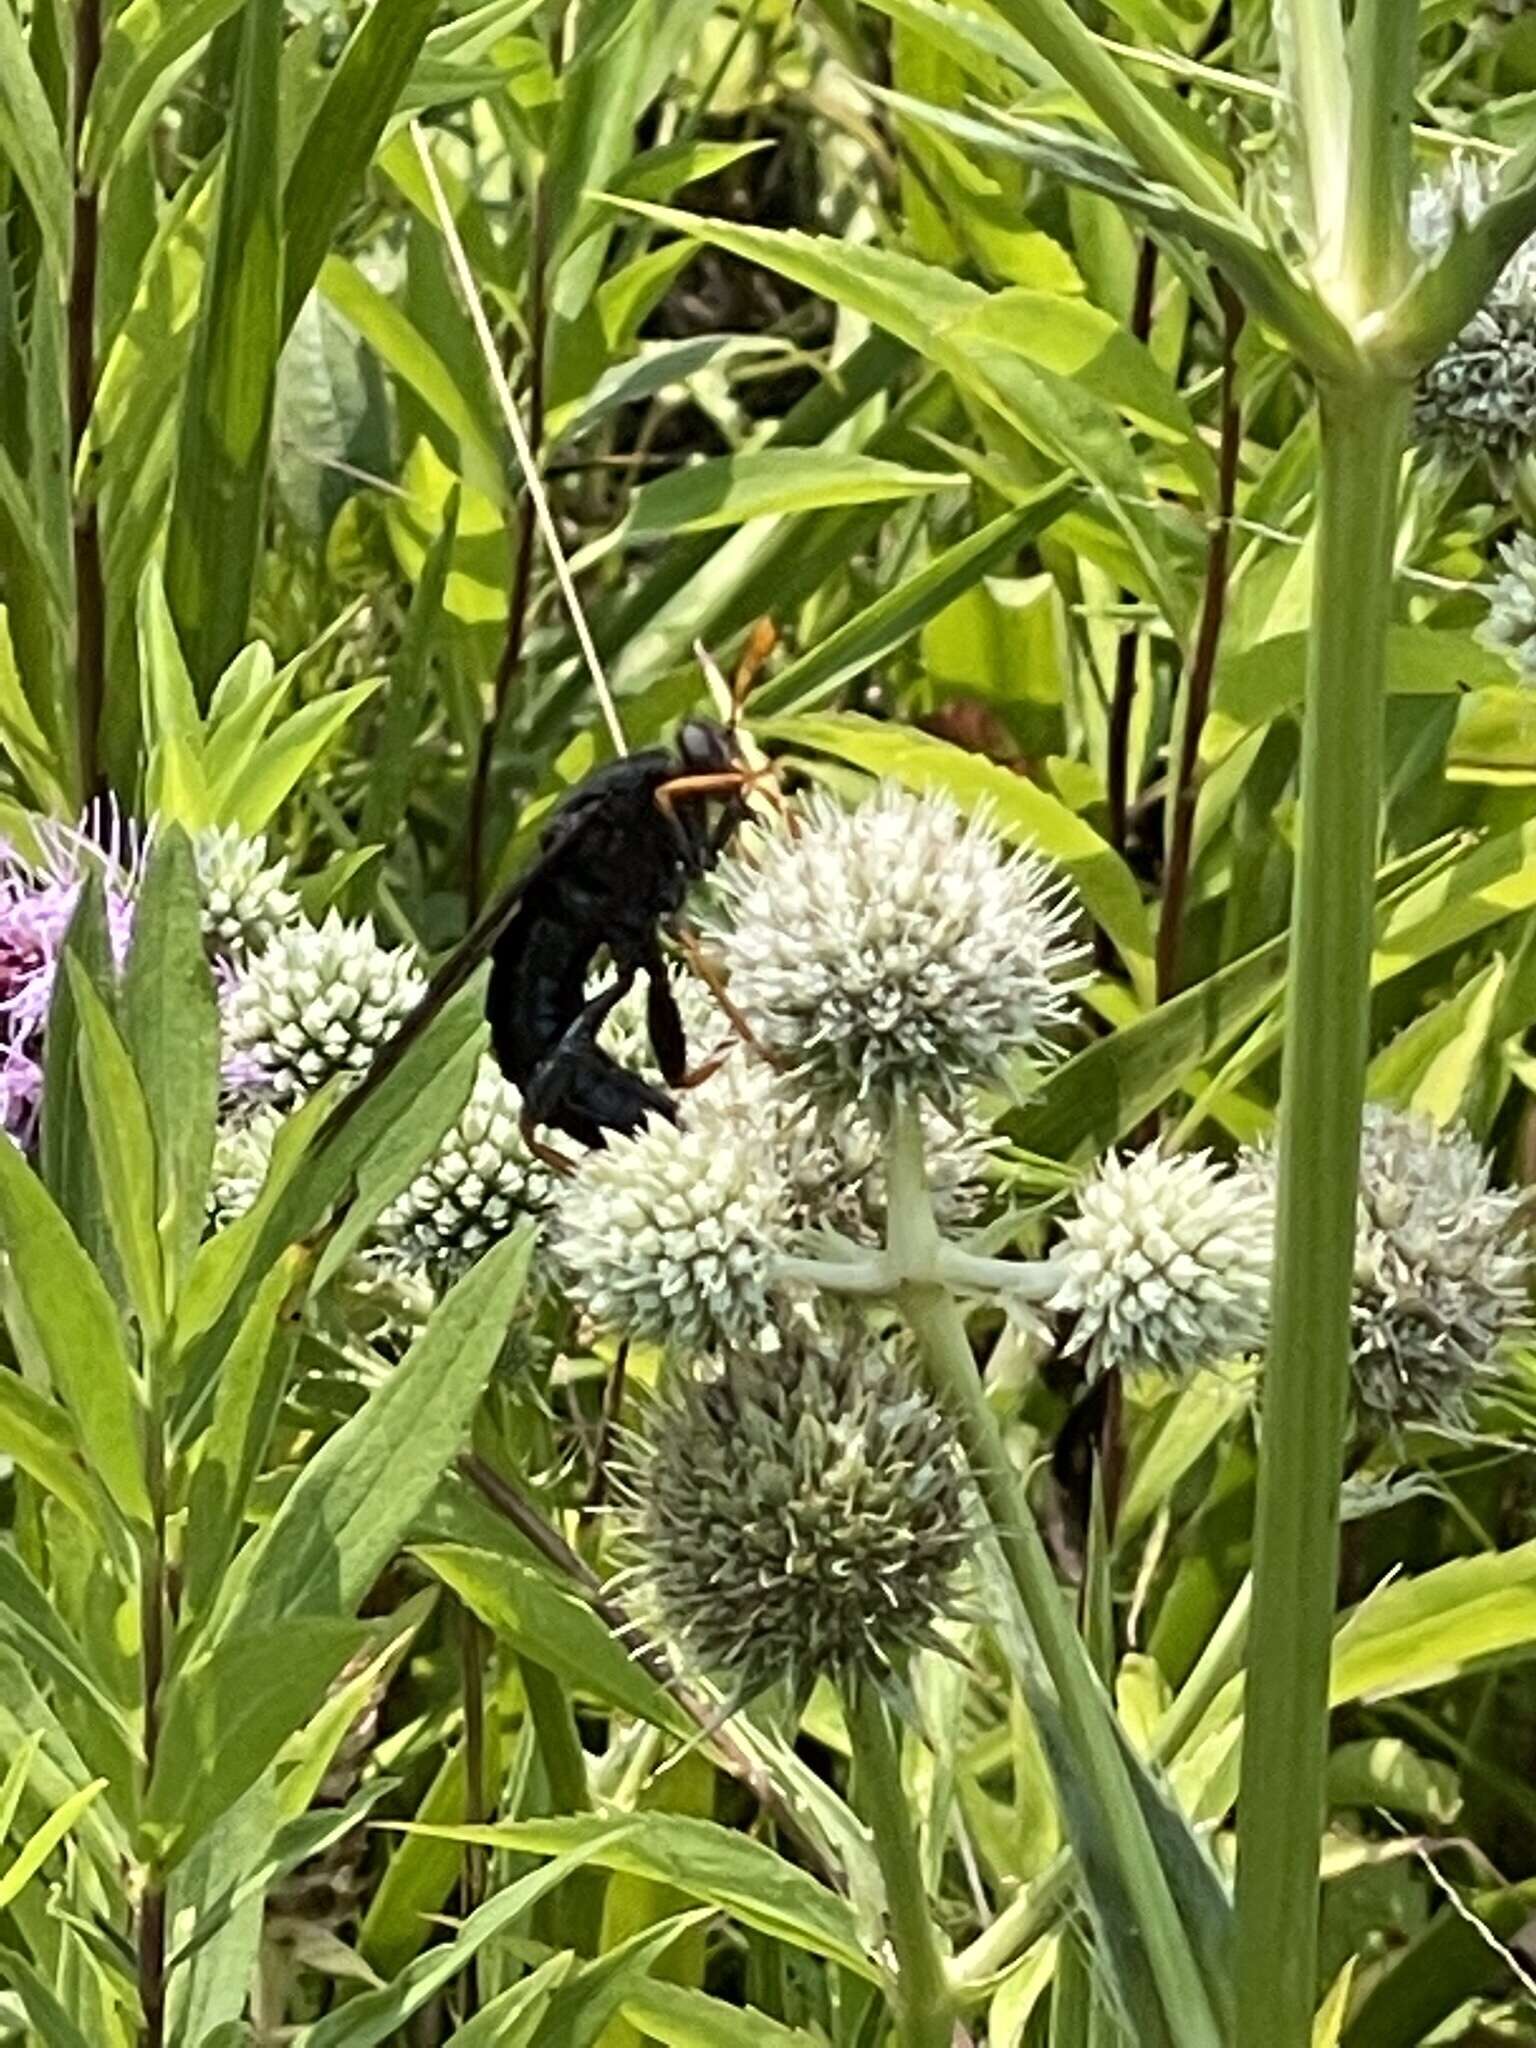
(893, 949)
(800, 1516)
(1479, 397)
(40, 890)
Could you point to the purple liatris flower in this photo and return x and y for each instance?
(38, 898)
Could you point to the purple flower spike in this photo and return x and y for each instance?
(37, 902)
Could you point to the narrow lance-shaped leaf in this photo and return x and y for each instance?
(214, 539)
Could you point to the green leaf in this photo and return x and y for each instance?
(729, 1871)
(29, 142)
(681, 2018)
(168, 703)
(25, 743)
(125, 1151)
(44, 1443)
(170, 1017)
(1450, 1962)
(514, 2019)
(344, 1516)
(377, 2016)
(394, 764)
(1495, 739)
(31, 1624)
(1023, 814)
(1428, 1630)
(866, 639)
(140, 65)
(228, 1710)
(553, 1627)
(956, 326)
(728, 490)
(54, 2026)
(250, 796)
(40, 1846)
(583, 2008)
(66, 1156)
(339, 143)
(214, 539)
(75, 1325)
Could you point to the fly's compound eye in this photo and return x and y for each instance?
(704, 748)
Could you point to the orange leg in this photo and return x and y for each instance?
(557, 1162)
(709, 973)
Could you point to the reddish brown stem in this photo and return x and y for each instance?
(520, 597)
(90, 589)
(1202, 667)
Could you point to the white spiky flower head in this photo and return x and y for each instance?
(1442, 1269)
(1166, 1263)
(478, 1183)
(1479, 397)
(670, 1236)
(895, 947)
(1510, 627)
(317, 1000)
(246, 897)
(242, 1153)
(798, 1517)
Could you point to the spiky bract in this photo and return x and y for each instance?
(1166, 1263)
(799, 1517)
(898, 946)
(246, 897)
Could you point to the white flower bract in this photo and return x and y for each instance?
(472, 1190)
(246, 897)
(317, 1000)
(669, 1236)
(1510, 627)
(1442, 1269)
(242, 1153)
(896, 946)
(1166, 1263)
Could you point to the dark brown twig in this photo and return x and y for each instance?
(1202, 668)
(1118, 736)
(731, 1754)
(90, 589)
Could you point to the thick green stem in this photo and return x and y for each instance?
(925, 2006)
(934, 1318)
(1280, 1809)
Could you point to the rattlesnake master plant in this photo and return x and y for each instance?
(895, 946)
(246, 897)
(1510, 627)
(1479, 397)
(317, 1000)
(1166, 1263)
(472, 1190)
(797, 1517)
(1442, 1270)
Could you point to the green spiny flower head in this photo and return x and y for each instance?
(797, 1517)
(896, 947)
(472, 1190)
(1166, 1263)
(1510, 627)
(1443, 1270)
(317, 1000)
(1479, 397)
(246, 897)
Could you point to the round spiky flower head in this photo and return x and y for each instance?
(1166, 1263)
(317, 1000)
(1479, 397)
(473, 1188)
(242, 1152)
(798, 1516)
(1442, 1269)
(896, 947)
(246, 898)
(669, 1236)
(1510, 627)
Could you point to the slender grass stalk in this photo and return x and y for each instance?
(925, 2005)
(1280, 1808)
(934, 1318)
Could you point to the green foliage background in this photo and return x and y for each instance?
(853, 316)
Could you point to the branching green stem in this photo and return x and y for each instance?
(925, 2007)
(934, 1318)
